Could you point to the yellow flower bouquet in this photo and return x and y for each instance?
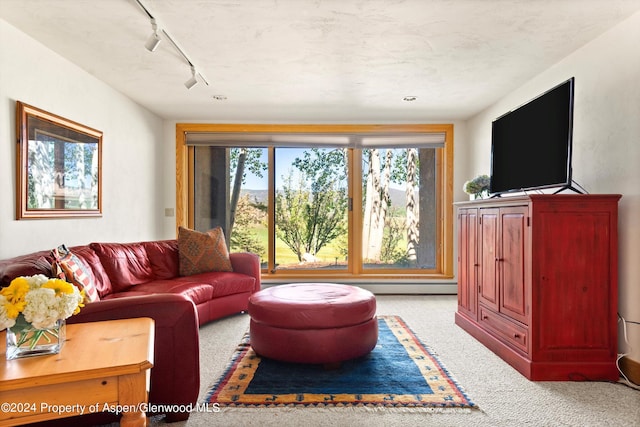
(33, 310)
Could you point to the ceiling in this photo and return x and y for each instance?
(335, 61)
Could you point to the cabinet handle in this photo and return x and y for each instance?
(485, 317)
(516, 335)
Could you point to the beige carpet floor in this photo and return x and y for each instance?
(505, 398)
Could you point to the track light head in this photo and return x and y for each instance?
(153, 42)
(154, 39)
(193, 80)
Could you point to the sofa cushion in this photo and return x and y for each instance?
(199, 288)
(199, 293)
(25, 265)
(232, 283)
(202, 252)
(223, 283)
(126, 264)
(69, 267)
(95, 270)
(163, 256)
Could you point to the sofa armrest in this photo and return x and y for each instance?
(175, 376)
(247, 263)
(169, 308)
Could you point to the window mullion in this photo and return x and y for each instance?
(271, 217)
(355, 215)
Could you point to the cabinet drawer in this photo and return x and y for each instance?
(514, 335)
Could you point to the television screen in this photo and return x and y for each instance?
(531, 145)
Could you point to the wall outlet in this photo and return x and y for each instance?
(168, 212)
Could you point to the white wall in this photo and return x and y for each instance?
(133, 178)
(606, 144)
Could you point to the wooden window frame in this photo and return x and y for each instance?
(444, 262)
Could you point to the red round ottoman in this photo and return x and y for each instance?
(321, 323)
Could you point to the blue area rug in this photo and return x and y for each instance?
(400, 372)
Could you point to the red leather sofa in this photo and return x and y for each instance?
(142, 280)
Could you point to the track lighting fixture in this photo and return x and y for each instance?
(193, 80)
(154, 39)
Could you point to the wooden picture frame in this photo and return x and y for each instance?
(59, 166)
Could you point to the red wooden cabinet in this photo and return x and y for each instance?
(537, 282)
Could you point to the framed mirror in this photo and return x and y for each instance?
(59, 166)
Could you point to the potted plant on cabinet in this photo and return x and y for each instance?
(478, 187)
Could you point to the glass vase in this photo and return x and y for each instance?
(29, 341)
(484, 194)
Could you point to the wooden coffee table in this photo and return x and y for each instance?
(102, 366)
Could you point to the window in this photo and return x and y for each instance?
(311, 208)
(399, 215)
(323, 200)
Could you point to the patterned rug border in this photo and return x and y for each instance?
(463, 403)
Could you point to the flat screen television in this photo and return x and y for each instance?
(531, 145)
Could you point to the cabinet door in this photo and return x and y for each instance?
(467, 261)
(576, 282)
(488, 248)
(512, 263)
